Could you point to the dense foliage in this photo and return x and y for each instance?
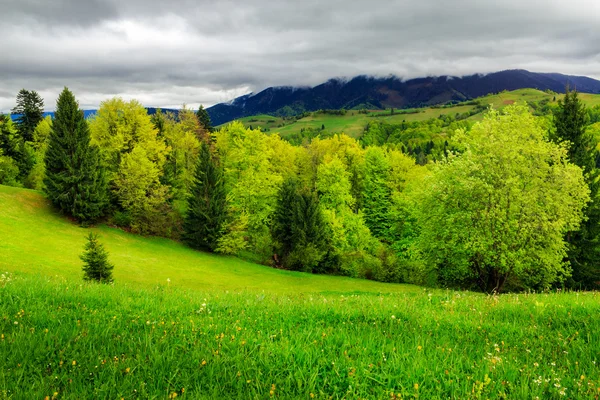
(444, 201)
(570, 123)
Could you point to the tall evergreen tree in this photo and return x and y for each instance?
(206, 205)
(30, 111)
(376, 197)
(204, 118)
(95, 261)
(299, 228)
(75, 178)
(570, 121)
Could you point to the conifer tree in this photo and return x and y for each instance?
(30, 111)
(95, 261)
(299, 228)
(376, 201)
(570, 121)
(204, 118)
(75, 179)
(206, 205)
(283, 217)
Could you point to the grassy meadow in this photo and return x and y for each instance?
(181, 323)
(65, 339)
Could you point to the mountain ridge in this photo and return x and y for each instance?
(365, 91)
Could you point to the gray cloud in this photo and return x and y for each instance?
(184, 51)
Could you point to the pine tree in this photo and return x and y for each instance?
(30, 111)
(75, 178)
(95, 261)
(206, 205)
(570, 121)
(204, 118)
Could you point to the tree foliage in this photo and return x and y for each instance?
(206, 211)
(299, 229)
(498, 212)
(204, 119)
(75, 179)
(570, 119)
(30, 111)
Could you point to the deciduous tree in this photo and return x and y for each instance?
(498, 213)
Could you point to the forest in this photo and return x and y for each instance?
(505, 204)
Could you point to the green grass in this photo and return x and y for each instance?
(97, 341)
(226, 328)
(34, 239)
(353, 123)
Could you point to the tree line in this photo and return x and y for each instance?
(509, 203)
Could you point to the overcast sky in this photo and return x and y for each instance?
(194, 51)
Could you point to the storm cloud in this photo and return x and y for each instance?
(204, 52)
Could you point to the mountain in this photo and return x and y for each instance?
(371, 92)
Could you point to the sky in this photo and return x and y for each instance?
(193, 52)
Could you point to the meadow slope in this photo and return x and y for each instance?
(35, 239)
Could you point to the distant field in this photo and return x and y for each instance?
(353, 123)
(34, 239)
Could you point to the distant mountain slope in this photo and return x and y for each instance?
(391, 92)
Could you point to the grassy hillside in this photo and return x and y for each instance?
(34, 239)
(353, 123)
(226, 328)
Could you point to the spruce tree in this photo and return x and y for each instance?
(30, 111)
(204, 118)
(376, 196)
(283, 217)
(298, 228)
(206, 205)
(75, 179)
(95, 261)
(570, 121)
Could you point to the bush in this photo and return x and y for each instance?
(9, 171)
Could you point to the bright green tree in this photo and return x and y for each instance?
(252, 180)
(30, 111)
(203, 225)
(498, 213)
(75, 179)
(204, 118)
(95, 261)
(570, 120)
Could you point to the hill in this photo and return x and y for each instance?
(354, 122)
(36, 240)
(379, 93)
